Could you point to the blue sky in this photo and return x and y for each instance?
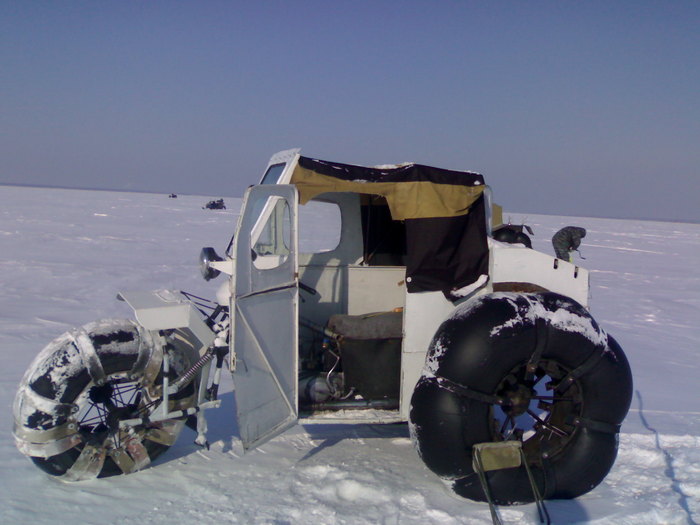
(568, 108)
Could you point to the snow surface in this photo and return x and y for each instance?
(64, 255)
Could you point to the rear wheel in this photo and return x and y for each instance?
(529, 367)
(73, 398)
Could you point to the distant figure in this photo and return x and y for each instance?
(567, 240)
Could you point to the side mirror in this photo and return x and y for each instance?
(206, 257)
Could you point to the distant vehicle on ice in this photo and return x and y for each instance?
(215, 205)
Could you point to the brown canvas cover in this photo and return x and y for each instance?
(412, 191)
(443, 210)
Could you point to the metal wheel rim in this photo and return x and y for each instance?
(541, 418)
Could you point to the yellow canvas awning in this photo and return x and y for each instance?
(411, 191)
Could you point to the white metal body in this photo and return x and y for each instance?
(346, 286)
(265, 268)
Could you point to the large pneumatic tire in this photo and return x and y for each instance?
(531, 367)
(72, 398)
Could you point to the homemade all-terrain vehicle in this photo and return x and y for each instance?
(414, 313)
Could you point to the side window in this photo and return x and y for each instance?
(319, 227)
(270, 238)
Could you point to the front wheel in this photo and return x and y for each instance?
(74, 396)
(529, 367)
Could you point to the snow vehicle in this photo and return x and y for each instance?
(415, 315)
(217, 204)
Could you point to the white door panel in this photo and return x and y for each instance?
(265, 315)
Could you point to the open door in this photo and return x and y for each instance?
(265, 314)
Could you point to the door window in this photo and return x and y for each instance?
(271, 236)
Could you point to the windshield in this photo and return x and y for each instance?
(273, 173)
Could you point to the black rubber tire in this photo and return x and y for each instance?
(485, 346)
(523, 238)
(505, 234)
(60, 375)
(512, 235)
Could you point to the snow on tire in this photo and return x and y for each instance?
(69, 405)
(531, 367)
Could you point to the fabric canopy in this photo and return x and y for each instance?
(412, 191)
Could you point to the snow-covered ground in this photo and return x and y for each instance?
(64, 255)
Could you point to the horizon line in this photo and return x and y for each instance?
(114, 190)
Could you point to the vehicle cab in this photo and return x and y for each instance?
(336, 328)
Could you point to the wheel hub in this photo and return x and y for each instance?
(112, 403)
(533, 412)
(517, 400)
(102, 394)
